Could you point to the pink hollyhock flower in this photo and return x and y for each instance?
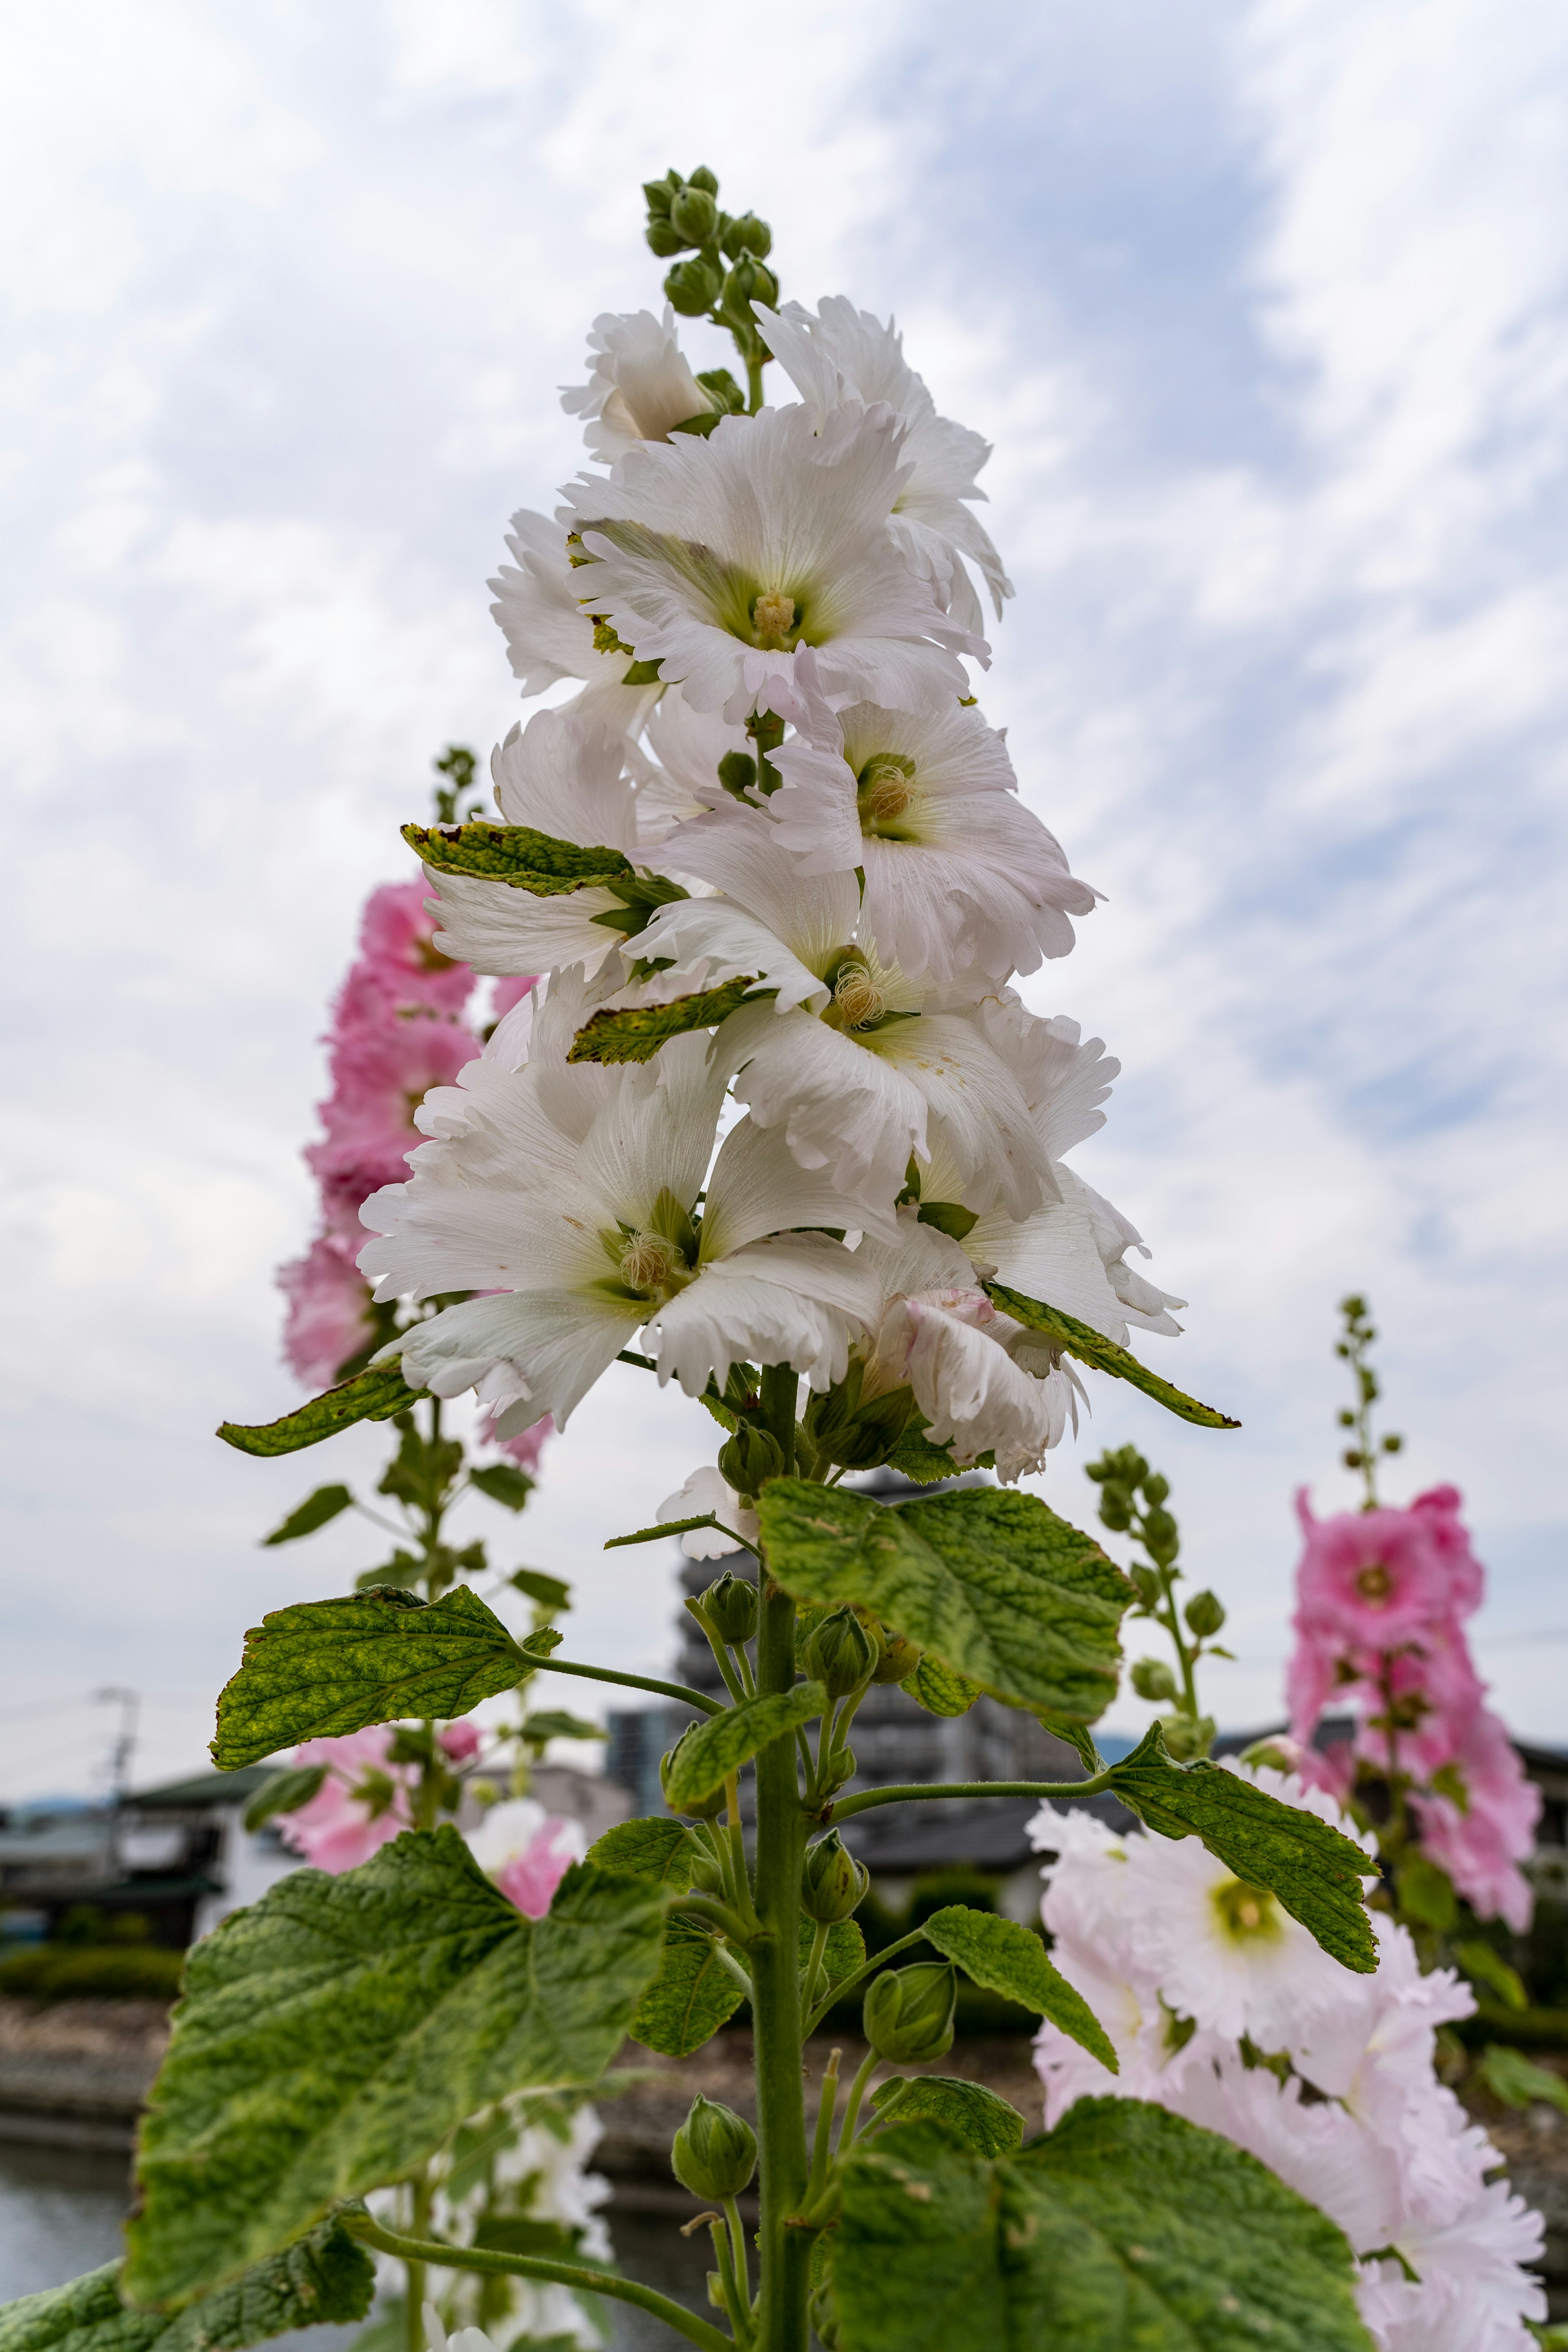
(362, 1805)
(1439, 1506)
(527, 1852)
(459, 1741)
(1436, 1686)
(398, 955)
(525, 1448)
(380, 1078)
(329, 1318)
(1373, 1579)
(1311, 1678)
(1481, 1842)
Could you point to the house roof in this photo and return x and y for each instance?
(201, 1790)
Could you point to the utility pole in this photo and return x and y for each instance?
(128, 1702)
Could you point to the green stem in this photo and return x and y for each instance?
(742, 2267)
(916, 1794)
(419, 2252)
(696, 1698)
(720, 1650)
(814, 1964)
(420, 2201)
(728, 2285)
(863, 2074)
(753, 384)
(713, 1914)
(821, 2145)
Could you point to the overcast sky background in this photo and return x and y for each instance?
(1264, 306)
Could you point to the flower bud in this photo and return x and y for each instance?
(664, 239)
(1161, 1538)
(715, 2151)
(747, 234)
(1153, 1678)
(841, 1655)
(691, 287)
(694, 213)
(1116, 1510)
(705, 1808)
(898, 1659)
(750, 1458)
(1155, 1489)
(730, 1605)
(749, 281)
(1204, 1613)
(657, 194)
(832, 1883)
(1187, 1737)
(1145, 1583)
(909, 2012)
(706, 1874)
(703, 178)
(737, 772)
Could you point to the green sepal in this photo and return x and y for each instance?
(503, 1483)
(950, 1217)
(990, 1583)
(690, 1998)
(939, 1690)
(517, 854)
(319, 1669)
(654, 1847)
(1007, 1958)
(1314, 1871)
(976, 2117)
(332, 2035)
(284, 1792)
(325, 2276)
(374, 1394)
(1092, 1347)
(712, 1750)
(635, 1033)
(1125, 2227)
(314, 1512)
(1079, 1738)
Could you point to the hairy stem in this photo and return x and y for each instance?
(916, 1794)
(417, 2250)
(419, 2201)
(699, 1699)
(863, 2074)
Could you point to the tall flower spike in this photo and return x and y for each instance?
(721, 559)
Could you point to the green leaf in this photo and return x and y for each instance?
(914, 1457)
(284, 1792)
(712, 1750)
(325, 2276)
(1092, 1347)
(312, 1513)
(555, 1723)
(1485, 1967)
(321, 1668)
(548, 1591)
(991, 1584)
(690, 1998)
(504, 1483)
(374, 1394)
(333, 2034)
(1007, 1958)
(1426, 1894)
(635, 1033)
(541, 1645)
(665, 1528)
(653, 1847)
(1126, 2228)
(1516, 2080)
(515, 854)
(1313, 1871)
(975, 2116)
(842, 1955)
(939, 1690)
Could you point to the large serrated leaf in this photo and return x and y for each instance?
(704, 1756)
(332, 2035)
(1127, 2227)
(993, 1584)
(1314, 1871)
(986, 2125)
(1006, 1958)
(635, 1033)
(516, 855)
(321, 1668)
(690, 1998)
(325, 2276)
(374, 1394)
(1092, 1347)
(653, 1847)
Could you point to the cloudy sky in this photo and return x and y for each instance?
(1264, 306)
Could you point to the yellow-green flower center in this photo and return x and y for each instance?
(857, 999)
(774, 620)
(1374, 1583)
(651, 1262)
(1248, 1915)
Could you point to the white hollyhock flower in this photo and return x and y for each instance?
(551, 634)
(958, 874)
(679, 775)
(584, 1247)
(640, 387)
(842, 355)
(719, 559)
(941, 1337)
(707, 1490)
(844, 1058)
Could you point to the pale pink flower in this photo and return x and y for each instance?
(1374, 1578)
(1439, 1507)
(399, 954)
(1481, 1842)
(362, 1805)
(329, 1317)
(380, 1076)
(525, 1448)
(527, 1852)
(459, 1741)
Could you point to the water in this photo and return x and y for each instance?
(62, 2208)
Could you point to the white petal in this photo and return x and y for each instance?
(550, 1346)
(975, 1104)
(641, 385)
(1052, 1257)
(564, 775)
(737, 849)
(798, 1300)
(1064, 1076)
(840, 1107)
(757, 1188)
(706, 1490)
(969, 1391)
(497, 928)
(656, 1134)
(710, 940)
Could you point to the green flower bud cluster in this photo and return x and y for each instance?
(723, 268)
(715, 2151)
(856, 1434)
(909, 2012)
(832, 1883)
